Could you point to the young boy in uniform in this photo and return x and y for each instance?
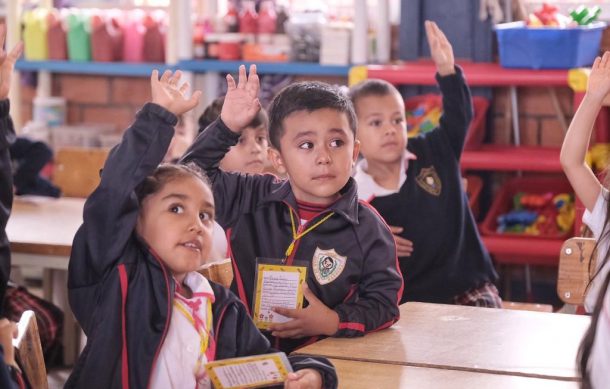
(314, 216)
(417, 187)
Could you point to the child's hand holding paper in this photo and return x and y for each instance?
(316, 319)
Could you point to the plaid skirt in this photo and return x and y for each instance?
(485, 295)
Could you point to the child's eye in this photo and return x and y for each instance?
(306, 145)
(205, 216)
(375, 123)
(241, 140)
(399, 120)
(261, 140)
(336, 143)
(176, 209)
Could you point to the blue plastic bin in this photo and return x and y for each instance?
(548, 47)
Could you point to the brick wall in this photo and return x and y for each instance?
(94, 99)
(115, 100)
(538, 119)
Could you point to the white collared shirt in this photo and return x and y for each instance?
(175, 365)
(369, 189)
(599, 360)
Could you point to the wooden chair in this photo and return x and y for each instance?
(220, 272)
(29, 351)
(576, 267)
(77, 170)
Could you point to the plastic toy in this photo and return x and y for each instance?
(424, 118)
(543, 214)
(585, 15)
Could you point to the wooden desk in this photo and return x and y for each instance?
(44, 226)
(533, 344)
(368, 375)
(41, 230)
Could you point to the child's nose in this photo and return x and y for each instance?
(323, 157)
(390, 130)
(255, 148)
(196, 225)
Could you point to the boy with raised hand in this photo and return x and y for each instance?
(353, 282)
(417, 187)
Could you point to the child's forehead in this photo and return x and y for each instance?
(379, 101)
(323, 119)
(187, 187)
(254, 129)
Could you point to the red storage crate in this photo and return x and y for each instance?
(503, 203)
(474, 185)
(476, 131)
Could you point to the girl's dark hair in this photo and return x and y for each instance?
(212, 112)
(372, 87)
(306, 96)
(165, 173)
(584, 352)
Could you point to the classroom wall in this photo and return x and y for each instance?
(94, 99)
(115, 100)
(537, 117)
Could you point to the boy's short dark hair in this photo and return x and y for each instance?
(372, 87)
(306, 96)
(212, 112)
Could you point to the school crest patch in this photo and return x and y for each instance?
(327, 265)
(429, 181)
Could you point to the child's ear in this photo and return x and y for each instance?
(276, 160)
(356, 150)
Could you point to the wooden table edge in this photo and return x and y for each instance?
(445, 367)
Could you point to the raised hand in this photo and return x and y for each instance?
(241, 101)
(599, 78)
(167, 93)
(7, 63)
(316, 319)
(440, 49)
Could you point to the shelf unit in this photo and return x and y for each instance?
(195, 66)
(492, 157)
(95, 68)
(290, 68)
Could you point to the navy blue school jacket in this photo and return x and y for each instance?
(363, 284)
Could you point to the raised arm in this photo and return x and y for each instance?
(7, 136)
(233, 193)
(457, 102)
(576, 141)
(111, 211)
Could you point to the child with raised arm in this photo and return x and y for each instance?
(248, 156)
(151, 320)
(595, 349)
(10, 374)
(417, 187)
(353, 283)
(7, 136)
